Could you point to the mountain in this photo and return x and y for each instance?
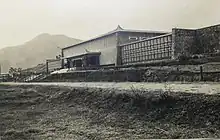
(34, 52)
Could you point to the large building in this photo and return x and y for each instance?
(126, 47)
(103, 50)
(178, 43)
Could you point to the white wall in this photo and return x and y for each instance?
(105, 45)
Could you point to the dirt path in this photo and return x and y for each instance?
(61, 113)
(208, 88)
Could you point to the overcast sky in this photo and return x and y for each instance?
(22, 20)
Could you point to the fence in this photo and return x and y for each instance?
(53, 65)
(156, 48)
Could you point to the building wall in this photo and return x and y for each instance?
(105, 45)
(208, 39)
(184, 42)
(133, 47)
(128, 37)
(152, 49)
(188, 42)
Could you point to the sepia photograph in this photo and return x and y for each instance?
(109, 69)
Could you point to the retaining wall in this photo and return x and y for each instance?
(133, 75)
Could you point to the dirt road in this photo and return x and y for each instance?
(208, 88)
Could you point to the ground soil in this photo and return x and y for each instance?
(49, 112)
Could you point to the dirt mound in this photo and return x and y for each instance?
(47, 112)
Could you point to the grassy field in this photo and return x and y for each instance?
(52, 112)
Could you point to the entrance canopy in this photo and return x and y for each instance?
(89, 59)
(82, 55)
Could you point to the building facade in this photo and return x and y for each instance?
(180, 42)
(126, 47)
(103, 50)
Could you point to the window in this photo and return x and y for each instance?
(151, 42)
(143, 38)
(158, 41)
(133, 38)
(165, 39)
(146, 57)
(160, 55)
(161, 40)
(169, 38)
(134, 46)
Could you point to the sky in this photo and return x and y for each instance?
(22, 20)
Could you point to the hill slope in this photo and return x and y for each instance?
(34, 52)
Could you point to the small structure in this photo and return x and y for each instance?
(86, 60)
(5, 77)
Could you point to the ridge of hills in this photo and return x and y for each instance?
(34, 52)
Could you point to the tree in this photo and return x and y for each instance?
(12, 71)
(15, 72)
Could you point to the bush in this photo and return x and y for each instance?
(182, 58)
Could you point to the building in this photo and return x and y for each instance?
(126, 47)
(5, 77)
(180, 42)
(103, 50)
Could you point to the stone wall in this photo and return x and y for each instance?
(208, 39)
(184, 42)
(201, 41)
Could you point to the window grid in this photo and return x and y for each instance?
(154, 49)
